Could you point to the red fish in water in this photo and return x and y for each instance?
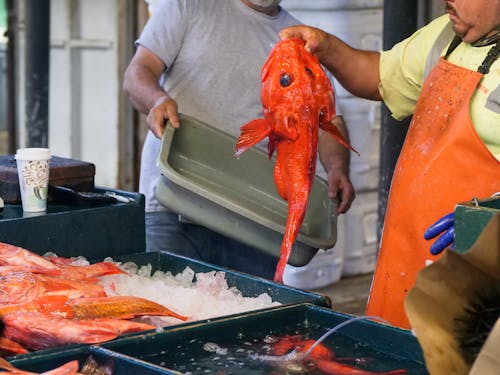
(337, 368)
(322, 357)
(288, 343)
(297, 99)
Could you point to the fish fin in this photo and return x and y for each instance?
(287, 126)
(10, 347)
(271, 146)
(251, 134)
(280, 181)
(335, 133)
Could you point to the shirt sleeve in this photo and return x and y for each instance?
(165, 29)
(402, 69)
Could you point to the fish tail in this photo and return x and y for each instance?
(339, 137)
(296, 212)
(251, 134)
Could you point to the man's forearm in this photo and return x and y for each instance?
(331, 153)
(356, 70)
(142, 88)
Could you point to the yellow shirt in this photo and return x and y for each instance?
(402, 75)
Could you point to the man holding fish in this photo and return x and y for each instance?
(203, 58)
(447, 75)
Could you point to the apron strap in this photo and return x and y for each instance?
(454, 44)
(490, 58)
(435, 53)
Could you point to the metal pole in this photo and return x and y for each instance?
(37, 72)
(400, 21)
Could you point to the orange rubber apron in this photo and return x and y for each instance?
(443, 162)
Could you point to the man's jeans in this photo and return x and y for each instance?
(164, 232)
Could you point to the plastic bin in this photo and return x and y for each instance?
(123, 365)
(250, 286)
(470, 220)
(237, 197)
(228, 344)
(93, 231)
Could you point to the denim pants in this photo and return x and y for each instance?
(164, 232)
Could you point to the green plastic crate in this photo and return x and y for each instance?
(123, 365)
(93, 231)
(471, 218)
(250, 286)
(237, 197)
(379, 347)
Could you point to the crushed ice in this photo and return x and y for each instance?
(196, 295)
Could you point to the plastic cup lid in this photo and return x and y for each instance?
(33, 154)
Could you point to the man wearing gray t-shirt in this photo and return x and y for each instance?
(203, 58)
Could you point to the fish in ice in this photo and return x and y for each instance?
(37, 331)
(118, 307)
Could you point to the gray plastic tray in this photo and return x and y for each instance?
(206, 184)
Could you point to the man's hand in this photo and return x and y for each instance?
(446, 229)
(316, 39)
(164, 108)
(141, 85)
(335, 159)
(340, 187)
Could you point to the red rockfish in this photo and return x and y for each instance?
(297, 99)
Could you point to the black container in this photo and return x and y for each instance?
(377, 346)
(89, 230)
(250, 286)
(123, 365)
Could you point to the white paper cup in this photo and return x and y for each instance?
(33, 172)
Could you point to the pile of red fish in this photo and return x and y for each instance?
(47, 302)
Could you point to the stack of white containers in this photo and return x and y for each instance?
(358, 23)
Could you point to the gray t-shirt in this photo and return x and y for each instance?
(213, 50)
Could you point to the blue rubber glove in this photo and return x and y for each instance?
(445, 224)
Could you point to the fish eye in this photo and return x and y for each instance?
(309, 71)
(285, 80)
